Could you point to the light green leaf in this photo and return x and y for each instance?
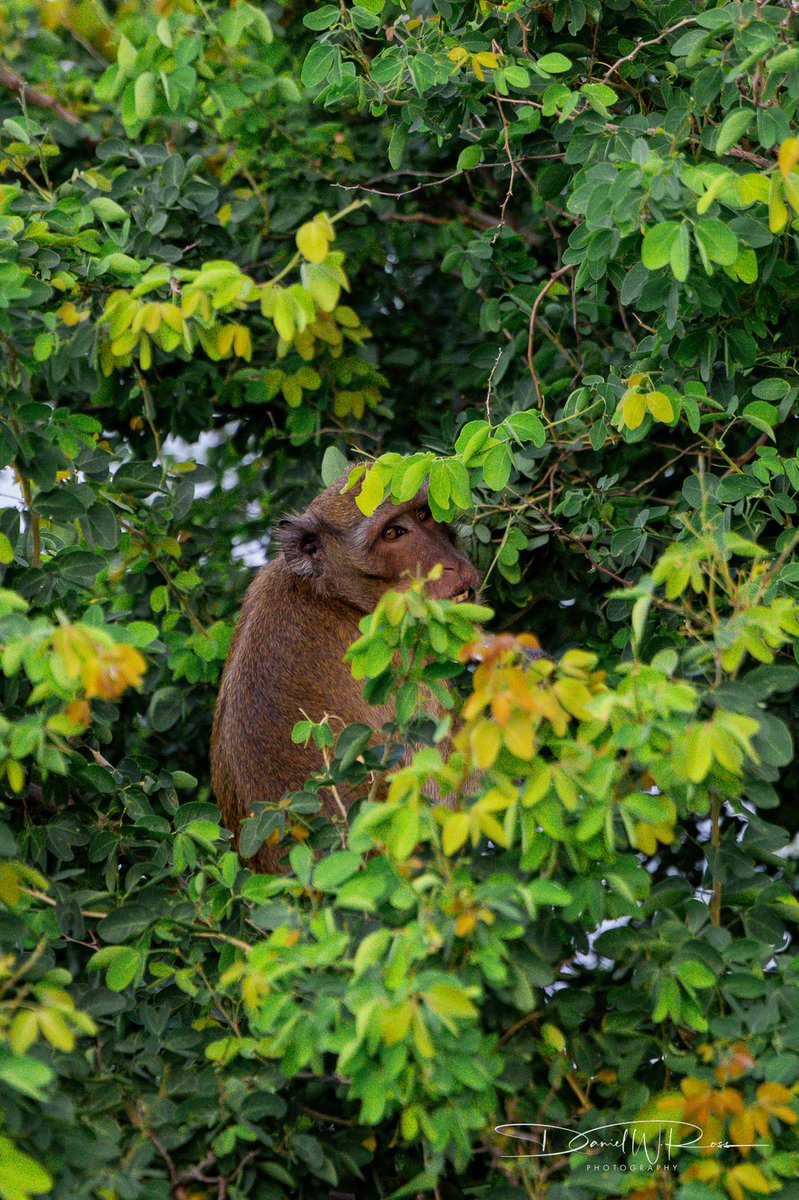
(657, 244)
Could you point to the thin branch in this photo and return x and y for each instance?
(554, 277)
(493, 166)
(757, 160)
(15, 83)
(642, 45)
(512, 164)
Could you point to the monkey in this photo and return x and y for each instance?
(299, 616)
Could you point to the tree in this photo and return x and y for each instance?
(541, 258)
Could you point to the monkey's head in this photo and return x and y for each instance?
(354, 558)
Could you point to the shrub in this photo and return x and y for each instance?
(541, 259)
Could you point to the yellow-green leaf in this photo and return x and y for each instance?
(456, 831)
(659, 405)
(633, 407)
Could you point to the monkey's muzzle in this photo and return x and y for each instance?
(468, 594)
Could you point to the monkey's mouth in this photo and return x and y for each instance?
(461, 597)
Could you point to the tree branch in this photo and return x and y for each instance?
(15, 83)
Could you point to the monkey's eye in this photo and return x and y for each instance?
(392, 532)
(424, 514)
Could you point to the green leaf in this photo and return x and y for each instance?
(497, 467)
(20, 1175)
(317, 65)
(108, 210)
(469, 157)
(24, 1074)
(144, 95)
(334, 465)
(126, 56)
(546, 891)
(695, 974)
(732, 129)
(122, 971)
(554, 64)
(125, 922)
(335, 870)
(450, 1000)
(680, 254)
(397, 144)
(657, 244)
(301, 860)
(526, 427)
(717, 240)
(16, 131)
(762, 416)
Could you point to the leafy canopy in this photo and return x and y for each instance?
(542, 259)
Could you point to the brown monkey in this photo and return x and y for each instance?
(299, 616)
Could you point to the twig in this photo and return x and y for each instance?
(512, 165)
(554, 277)
(15, 83)
(44, 899)
(492, 166)
(757, 160)
(525, 1020)
(642, 45)
(490, 379)
(553, 527)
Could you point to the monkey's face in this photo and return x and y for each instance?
(356, 559)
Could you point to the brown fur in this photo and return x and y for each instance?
(300, 614)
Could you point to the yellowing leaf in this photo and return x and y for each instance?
(790, 187)
(777, 208)
(15, 773)
(458, 55)
(242, 343)
(283, 314)
(484, 59)
(788, 156)
(22, 1033)
(9, 884)
(633, 407)
(70, 315)
(491, 827)
(395, 1022)
(56, 1030)
(313, 240)
(456, 831)
(748, 1176)
(697, 754)
(518, 736)
(449, 1000)
(660, 407)
(485, 742)
(421, 1035)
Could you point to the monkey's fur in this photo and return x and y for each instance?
(300, 614)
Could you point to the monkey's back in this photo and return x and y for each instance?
(284, 664)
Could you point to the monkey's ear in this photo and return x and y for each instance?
(302, 546)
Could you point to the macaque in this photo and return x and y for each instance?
(299, 616)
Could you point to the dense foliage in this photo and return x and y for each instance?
(542, 257)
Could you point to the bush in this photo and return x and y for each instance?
(540, 258)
